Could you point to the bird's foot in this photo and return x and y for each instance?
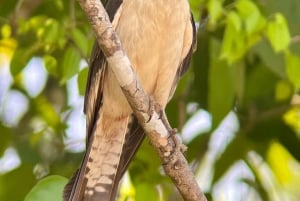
(177, 140)
(154, 108)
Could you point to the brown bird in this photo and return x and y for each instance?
(158, 37)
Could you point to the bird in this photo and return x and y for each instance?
(159, 38)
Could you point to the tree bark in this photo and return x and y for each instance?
(154, 123)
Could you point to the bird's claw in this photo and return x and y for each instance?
(154, 107)
(177, 140)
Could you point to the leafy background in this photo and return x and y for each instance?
(237, 108)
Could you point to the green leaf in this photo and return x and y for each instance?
(5, 31)
(81, 41)
(221, 85)
(293, 69)
(19, 61)
(15, 184)
(48, 189)
(52, 31)
(275, 62)
(81, 80)
(215, 11)
(250, 14)
(289, 139)
(51, 64)
(70, 64)
(200, 69)
(278, 33)
(289, 8)
(233, 45)
(283, 91)
(279, 160)
(264, 96)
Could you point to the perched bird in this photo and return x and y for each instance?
(158, 37)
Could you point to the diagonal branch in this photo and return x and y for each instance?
(157, 129)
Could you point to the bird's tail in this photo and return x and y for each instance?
(96, 178)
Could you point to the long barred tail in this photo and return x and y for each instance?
(105, 162)
(95, 179)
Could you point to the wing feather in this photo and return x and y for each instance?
(92, 100)
(185, 63)
(98, 66)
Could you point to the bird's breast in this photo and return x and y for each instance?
(152, 35)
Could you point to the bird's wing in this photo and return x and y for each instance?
(98, 65)
(92, 104)
(185, 63)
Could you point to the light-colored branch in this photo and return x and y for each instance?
(157, 129)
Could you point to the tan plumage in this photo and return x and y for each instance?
(158, 37)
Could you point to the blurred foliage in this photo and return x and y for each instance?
(247, 63)
(48, 189)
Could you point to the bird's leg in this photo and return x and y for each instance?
(156, 107)
(178, 142)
